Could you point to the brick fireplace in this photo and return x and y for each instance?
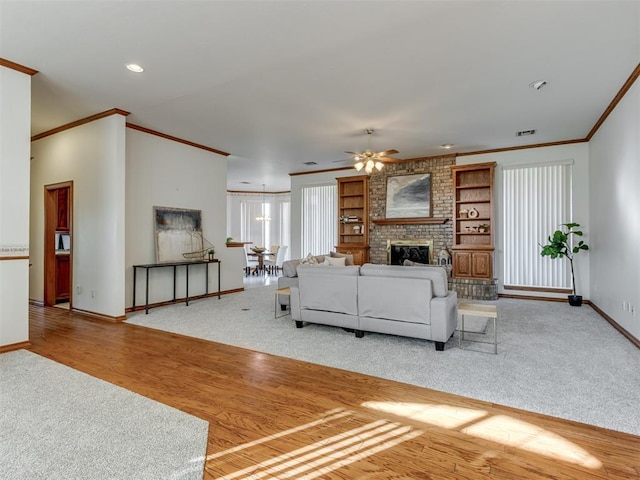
(439, 233)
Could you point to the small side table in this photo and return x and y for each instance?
(281, 291)
(478, 310)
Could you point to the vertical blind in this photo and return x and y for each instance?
(537, 200)
(252, 230)
(319, 219)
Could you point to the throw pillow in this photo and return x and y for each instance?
(309, 260)
(409, 263)
(348, 257)
(336, 262)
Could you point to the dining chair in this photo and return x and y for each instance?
(248, 263)
(272, 256)
(275, 265)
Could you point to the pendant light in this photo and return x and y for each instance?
(263, 217)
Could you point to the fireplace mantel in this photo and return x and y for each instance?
(410, 221)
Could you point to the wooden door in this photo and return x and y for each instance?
(58, 266)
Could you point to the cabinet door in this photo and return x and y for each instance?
(63, 270)
(63, 210)
(462, 264)
(481, 265)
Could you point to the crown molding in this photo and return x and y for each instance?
(254, 192)
(524, 147)
(176, 139)
(82, 121)
(17, 67)
(621, 93)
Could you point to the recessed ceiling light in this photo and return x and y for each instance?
(246, 183)
(447, 145)
(538, 84)
(134, 67)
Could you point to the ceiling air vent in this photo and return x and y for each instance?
(310, 163)
(524, 133)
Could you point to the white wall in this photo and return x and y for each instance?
(614, 157)
(15, 125)
(297, 183)
(161, 172)
(92, 155)
(579, 153)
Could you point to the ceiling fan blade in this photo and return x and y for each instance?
(387, 152)
(350, 160)
(353, 153)
(390, 160)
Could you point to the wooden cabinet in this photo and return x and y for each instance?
(474, 223)
(472, 264)
(353, 217)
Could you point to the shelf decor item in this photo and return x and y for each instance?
(560, 246)
(473, 213)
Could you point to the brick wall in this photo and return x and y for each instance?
(441, 206)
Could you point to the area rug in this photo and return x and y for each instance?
(552, 358)
(59, 423)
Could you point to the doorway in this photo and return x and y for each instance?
(58, 241)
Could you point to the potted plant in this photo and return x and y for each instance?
(559, 246)
(211, 253)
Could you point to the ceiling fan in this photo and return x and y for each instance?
(369, 159)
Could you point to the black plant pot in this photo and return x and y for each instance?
(575, 300)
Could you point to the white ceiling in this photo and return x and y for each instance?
(279, 83)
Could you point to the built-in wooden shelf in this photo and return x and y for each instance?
(411, 221)
(238, 244)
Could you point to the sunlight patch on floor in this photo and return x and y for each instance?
(325, 455)
(498, 428)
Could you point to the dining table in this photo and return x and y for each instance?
(260, 256)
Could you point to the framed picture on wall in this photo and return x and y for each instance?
(409, 196)
(178, 231)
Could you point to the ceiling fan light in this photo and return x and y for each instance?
(369, 166)
(379, 165)
(359, 166)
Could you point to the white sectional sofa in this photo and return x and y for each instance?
(391, 299)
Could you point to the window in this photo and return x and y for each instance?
(319, 219)
(245, 208)
(536, 200)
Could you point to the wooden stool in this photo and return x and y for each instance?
(478, 310)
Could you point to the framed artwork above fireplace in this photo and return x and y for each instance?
(408, 196)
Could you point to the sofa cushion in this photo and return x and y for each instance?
(290, 267)
(328, 289)
(335, 262)
(435, 273)
(395, 298)
(348, 257)
(309, 260)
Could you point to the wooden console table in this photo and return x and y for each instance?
(175, 265)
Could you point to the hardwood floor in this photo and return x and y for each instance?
(272, 417)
